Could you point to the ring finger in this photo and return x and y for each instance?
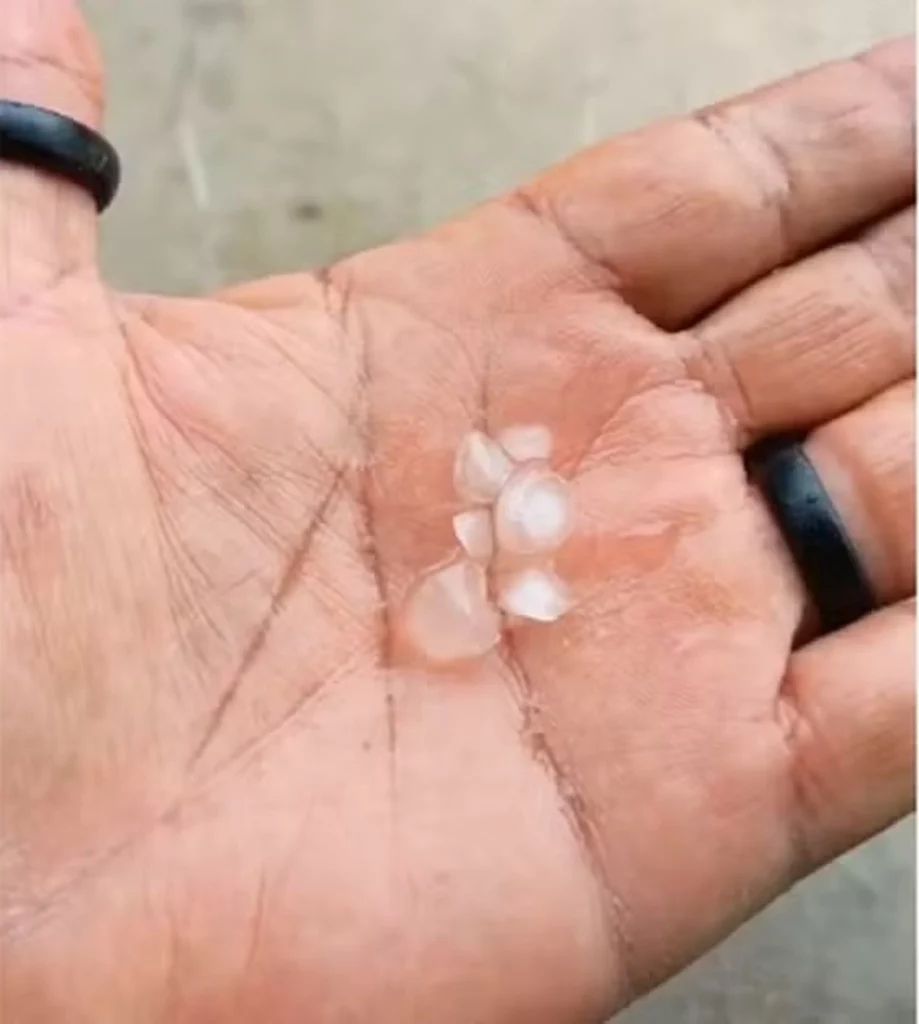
(866, 462)
(847, 701)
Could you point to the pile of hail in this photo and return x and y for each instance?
(517, 513)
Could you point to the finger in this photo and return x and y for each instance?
(816, 339)
(847, 705)
(47, 225)
(686, 213)
(866, 461)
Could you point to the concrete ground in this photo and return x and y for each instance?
(265, 135)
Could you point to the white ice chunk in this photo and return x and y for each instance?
(448, 616)
(481, 469)
(476, 534)
(533, 512)
(535, 594)
(526, 443)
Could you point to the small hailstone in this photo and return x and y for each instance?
(481, 469)
(448, 616)
(533, 512)
(535, 594)
(526, 443)
(475, 532)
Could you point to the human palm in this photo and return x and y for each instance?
(228, 792)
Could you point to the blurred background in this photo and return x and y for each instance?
(268, 135)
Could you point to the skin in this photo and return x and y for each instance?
(228, 792)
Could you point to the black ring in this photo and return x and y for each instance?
(812, 528)
(51, 142)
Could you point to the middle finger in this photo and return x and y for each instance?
(816, 339)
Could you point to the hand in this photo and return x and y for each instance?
(226, 797)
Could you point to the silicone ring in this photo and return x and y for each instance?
(814, 531)
(51, 142)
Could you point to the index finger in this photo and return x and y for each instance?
(685, 213)
(47, 225)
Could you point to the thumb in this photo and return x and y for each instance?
(47, 225)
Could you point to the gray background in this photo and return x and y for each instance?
(267, 135)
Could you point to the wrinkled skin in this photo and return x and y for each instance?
(227, 792)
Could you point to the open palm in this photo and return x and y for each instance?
(226, 794)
